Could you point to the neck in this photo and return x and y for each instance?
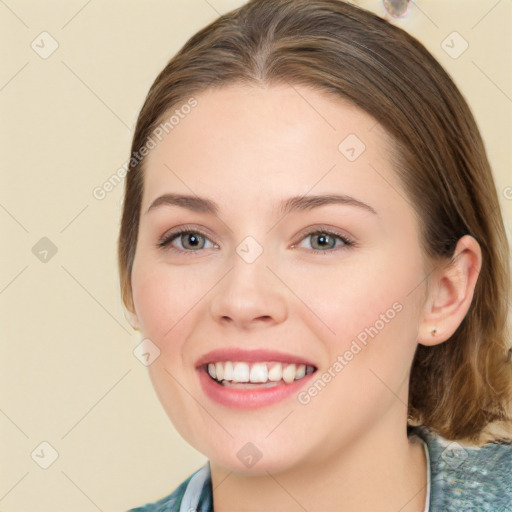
(379, 471)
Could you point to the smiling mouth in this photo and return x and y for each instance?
(244, 375)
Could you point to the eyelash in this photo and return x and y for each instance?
(165, 242)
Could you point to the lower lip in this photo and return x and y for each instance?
(249, 398)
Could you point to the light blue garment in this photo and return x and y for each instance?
(461, 479)
(468, 479)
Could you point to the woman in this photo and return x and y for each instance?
(312, 246)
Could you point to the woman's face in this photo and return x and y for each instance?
(266, 279)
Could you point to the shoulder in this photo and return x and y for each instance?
(466, 477)
(195, 493)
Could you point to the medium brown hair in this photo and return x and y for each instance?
(461, 386)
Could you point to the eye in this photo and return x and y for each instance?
(323, 241)
(326, 241)
(190, 240)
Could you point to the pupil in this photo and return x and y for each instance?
(323, 240)
(191, 240)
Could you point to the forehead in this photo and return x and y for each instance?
(262, 141)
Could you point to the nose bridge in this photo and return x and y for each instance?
(249, 292)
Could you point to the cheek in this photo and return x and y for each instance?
(170, 302)
(153, 302)
(162, 298)
(374, 316)
(350, 298)
(371, 310)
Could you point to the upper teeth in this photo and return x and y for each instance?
(257, 372)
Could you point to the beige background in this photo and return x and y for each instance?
(68, 375)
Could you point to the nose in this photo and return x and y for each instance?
(248, 296)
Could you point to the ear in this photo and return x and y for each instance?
(450, 292)
(132, 318)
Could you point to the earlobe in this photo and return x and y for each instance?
(451, 290)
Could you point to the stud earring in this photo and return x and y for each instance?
(433, 331)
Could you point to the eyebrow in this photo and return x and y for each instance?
(296, 203)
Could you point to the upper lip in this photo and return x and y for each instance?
(250, 356)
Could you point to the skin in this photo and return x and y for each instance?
(248, 148)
